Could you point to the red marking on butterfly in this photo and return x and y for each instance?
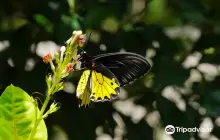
(93, 65)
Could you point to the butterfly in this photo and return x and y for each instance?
(104, 74)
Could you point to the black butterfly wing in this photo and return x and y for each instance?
(126, 66)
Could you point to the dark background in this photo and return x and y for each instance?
(180, 38)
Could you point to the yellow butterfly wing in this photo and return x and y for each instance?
(84, 99)
(104, 86)
(83, 91)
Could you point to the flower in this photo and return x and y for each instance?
(81, 41)
(69, 68)
(79, 38)
(62, 50)
(47, 58)
(77, 32)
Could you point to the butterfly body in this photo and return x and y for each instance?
(105, 73)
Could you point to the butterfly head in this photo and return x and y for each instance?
(83, 56)
(85, 59)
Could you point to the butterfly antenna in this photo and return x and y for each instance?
(88, 39)
(38, 99)
(38, 93)
(89, 36)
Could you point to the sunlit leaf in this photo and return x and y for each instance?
(13, 23)
(17, 116)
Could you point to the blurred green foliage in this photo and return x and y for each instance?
(179, 37)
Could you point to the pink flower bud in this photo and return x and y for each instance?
(47, 58)
(81, 41)
(69, 68)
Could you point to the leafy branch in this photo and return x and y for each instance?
(65, 65)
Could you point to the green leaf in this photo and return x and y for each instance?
(71, 21)
(71, 3)
(43, 21)
(17, 116)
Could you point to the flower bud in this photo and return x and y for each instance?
(81, 41)
(49, 81)
(56, 55)
(69, 68)
(74, 32)
(53, 108)
(52, 66)
(62, 49)
(78, 32)
(47, 58)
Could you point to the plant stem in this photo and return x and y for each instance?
(39, 118)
